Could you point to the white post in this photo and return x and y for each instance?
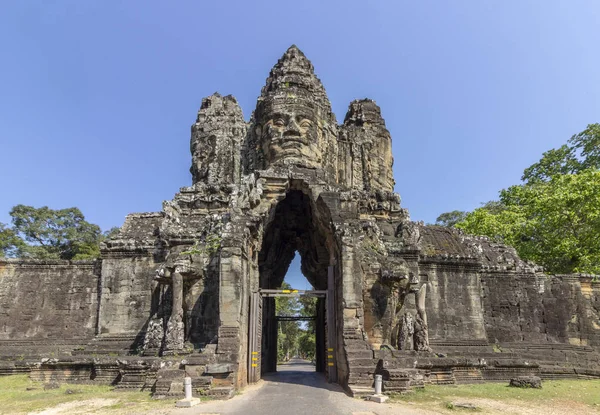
(187, 387)
(378, 396)
(378, 381)
(188, 401)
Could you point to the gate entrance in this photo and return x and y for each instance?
(261, 360)
(297, 224)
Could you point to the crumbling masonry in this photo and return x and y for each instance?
(171, 295)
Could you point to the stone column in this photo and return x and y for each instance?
(174, 336)
(421, 333)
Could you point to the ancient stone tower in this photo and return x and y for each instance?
(188, 290)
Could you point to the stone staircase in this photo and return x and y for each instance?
(22, 350)
(112, 360)
(113, 345)
(361, 366)
(361, 363)
(14, 368)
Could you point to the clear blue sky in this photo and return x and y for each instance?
(97, 97)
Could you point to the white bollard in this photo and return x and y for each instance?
(187, 387)
(378, 397)
(188, 401)
(378, 381)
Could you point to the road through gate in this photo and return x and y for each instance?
(255, 335)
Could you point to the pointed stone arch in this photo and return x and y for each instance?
(297, 222)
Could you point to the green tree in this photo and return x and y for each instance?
(44, 233)
(307, 340)
(111, 233)
(11, 245)
(288, 331)
(556, 161)
(494, 206)
(293, 336)
(553, 218)
(587, 144)
(582, 152)
(307, 345)
(308, 308)
(450, 219)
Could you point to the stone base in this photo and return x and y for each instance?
(357, 391)
(176, 352)
(377, 398)
(187, 403)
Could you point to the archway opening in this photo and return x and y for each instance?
(297, 322)
(296, 226)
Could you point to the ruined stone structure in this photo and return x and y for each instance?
(173, 291)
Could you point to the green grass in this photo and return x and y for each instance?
(16, 399)
(582, 391)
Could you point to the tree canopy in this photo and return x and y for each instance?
(294, 337)
(450, 219)
(44, 233)
(580, 153)
(553, 217)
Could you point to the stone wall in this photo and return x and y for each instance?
(129, 294)
(127, 287)
(542, 309)
(48, 299)
(492, 325)
(454, 303)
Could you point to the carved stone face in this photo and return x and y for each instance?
(291, 135)
(203, 154)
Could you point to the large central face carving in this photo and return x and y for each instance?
(291, 135)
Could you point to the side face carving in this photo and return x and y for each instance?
(291, 136)
(203, 155)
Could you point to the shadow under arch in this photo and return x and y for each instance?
(297, 223)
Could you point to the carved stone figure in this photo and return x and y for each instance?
(421, 331)
(216, 139)
(153, 340)
(293, 124)
(365, 149)
(174, 334)
(406, 332)
(409, 234)
(291, 135)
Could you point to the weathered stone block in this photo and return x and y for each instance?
(526, 382)
(216, 368)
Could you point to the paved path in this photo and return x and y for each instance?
(296, 389)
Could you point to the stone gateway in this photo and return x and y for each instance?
(188, 291)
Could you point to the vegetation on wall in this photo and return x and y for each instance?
(553, 217)
(209, 246)
(44, 233)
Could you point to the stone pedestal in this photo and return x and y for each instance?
(187, 403)
(377, 398)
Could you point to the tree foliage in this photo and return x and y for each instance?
(307, 341)
(44, 233)
(288, 331)
(10, 243)
(582, 152)
(293, 337)
(553, 218)
(450, 219)
(307, 345)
